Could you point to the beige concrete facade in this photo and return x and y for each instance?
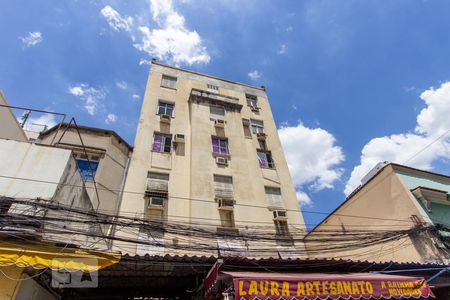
(384, 203)
(191, 165)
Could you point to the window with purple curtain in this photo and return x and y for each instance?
(219, 146)
(158, 142)
(265, 159)
(161, 143)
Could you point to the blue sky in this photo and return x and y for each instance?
(351, 83)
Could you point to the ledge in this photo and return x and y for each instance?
(214, 98)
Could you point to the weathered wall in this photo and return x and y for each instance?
(30, 171)
(72, 193)
(382, 204)
(30, 290)
(33, 171)
(191, 166)
(9, 127)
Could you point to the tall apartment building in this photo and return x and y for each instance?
(207, 155)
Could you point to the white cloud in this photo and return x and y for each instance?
(172, 41)
(427, 144)
(110, 118)
(90, 96)
(115, 20)
(122, 85)
(144, 62)
(313, 158)
(136, 97)
(32, 39)
(41, 123)
(254, 75)
(304, 199)
(283, 49)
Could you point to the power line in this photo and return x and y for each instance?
(347, 242)
(204, 200)
(427, 146)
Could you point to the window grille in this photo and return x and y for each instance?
(169, 82)
(165, 108)
(223, 187)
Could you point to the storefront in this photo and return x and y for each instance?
(312, 286)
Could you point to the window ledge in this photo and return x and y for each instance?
(227, 230)
(168, 87)
(172, 117)
(268, 168)
(168, 153)
(221, 155)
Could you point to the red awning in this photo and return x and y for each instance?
(274, 286)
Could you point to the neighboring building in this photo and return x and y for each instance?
(392, 197)
(32, 172)
(207, 152)
(46, 215)
(106, 161)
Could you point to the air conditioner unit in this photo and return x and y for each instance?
(261, 136)
(246, 122)
(219, 123)
(179, 138)
(165, 119)
(221, 161)
(279, 215)
(254, 108)
(225, 204)
(155, 202)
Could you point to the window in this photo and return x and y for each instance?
(220, 146)
(165, 108)
(281, 227)
(257, 126)
(212, 88)
(217, 112)
(169, 82)
(273, 198)
(227, 218)
(223, 187)
(265, 159)
(246, 125)
(87, 168)
(252, 101)
(162, 143)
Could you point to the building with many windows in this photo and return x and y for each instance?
(207, 154)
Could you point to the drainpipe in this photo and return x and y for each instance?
(119, 203)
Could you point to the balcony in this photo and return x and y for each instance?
(214, 98)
